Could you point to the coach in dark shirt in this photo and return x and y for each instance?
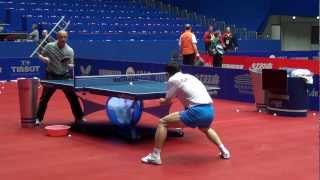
(58, 56)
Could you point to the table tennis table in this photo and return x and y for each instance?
(137, 87)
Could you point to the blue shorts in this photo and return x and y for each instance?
(198, 116)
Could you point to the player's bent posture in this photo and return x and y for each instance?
(199, 112)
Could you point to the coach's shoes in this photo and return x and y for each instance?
(80, 121)
(152, 159)
(37, 122)
(225, 155)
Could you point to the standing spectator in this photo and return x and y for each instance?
(59, 59)
(207, 38)
(229, 40)
(34, 35)
(188, 46)
(217, 49)
(45, 36)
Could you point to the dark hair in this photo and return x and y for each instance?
(187, 26)
(172, 68)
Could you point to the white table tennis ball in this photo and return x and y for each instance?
(69, 135)
(237, 110)
(274, 114)
(131, 83)
(314, 114)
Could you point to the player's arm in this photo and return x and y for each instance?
(43, 56)
(196, 50)
(194, 44)
(71, 61)
(171, 92)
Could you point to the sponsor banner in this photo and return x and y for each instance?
(313, 92)
(14, 68)
(235, 84)
(3, 76)
(247, 62)
(278, 54)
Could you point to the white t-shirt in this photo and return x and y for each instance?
(188, 89)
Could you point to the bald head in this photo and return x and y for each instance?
(228, 29)
(62, 38)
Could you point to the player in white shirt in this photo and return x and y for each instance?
(199, 112)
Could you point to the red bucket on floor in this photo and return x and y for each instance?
(57, 130)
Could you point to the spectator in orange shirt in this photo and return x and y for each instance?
(188, 46)
(207, 37)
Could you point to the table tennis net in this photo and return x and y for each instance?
(88, 81)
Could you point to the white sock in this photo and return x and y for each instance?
(156, 151)
(223, 148)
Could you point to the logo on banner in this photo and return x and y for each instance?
(243, 84)
(130, 70)
(257, 66)
(233, 66)
(108, 72)
(85, 70)
(313, 93)
(25, 67)
(209, 79)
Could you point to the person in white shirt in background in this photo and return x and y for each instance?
(199, 112)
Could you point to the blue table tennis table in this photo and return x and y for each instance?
(139, 90)
(136, 87)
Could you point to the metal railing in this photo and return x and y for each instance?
(60, 25)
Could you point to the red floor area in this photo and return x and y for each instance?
(263, 147)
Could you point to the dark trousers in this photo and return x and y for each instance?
(47, 93)
(217, 60)
(188, 59)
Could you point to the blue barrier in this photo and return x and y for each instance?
(278, 54)
(16, 49)
(142, 51)
(13, 68)
(235, 83)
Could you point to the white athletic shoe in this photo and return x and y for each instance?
(151, 159)
(225, 155)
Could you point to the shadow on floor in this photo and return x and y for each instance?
(107, 130)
